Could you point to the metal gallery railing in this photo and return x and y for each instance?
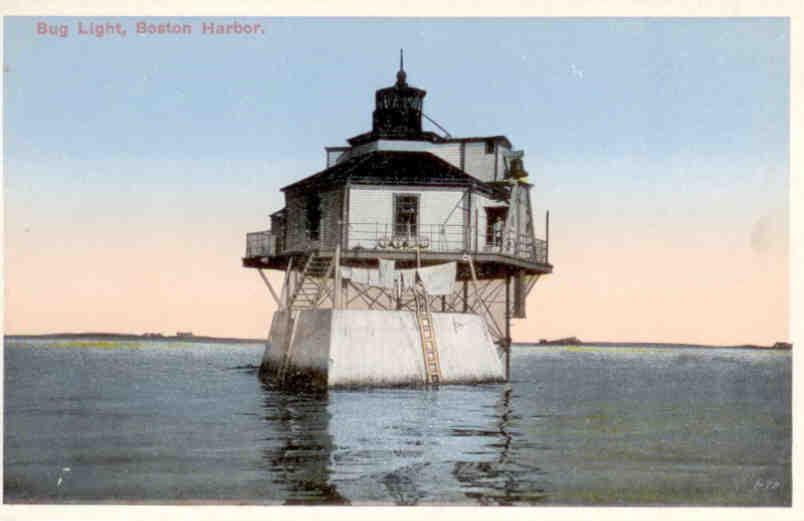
(386, 236)
(518, 245)
(444, 238)
(407, 237)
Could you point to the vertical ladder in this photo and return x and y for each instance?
(432, 365)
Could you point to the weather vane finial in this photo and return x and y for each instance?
(401, 76)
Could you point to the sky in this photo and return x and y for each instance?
(135, 165)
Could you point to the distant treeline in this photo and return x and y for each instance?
(129, 336)
(575, 341)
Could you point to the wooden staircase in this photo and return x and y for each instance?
(313, 287)
(311, 290)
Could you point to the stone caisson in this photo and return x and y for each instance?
(325, 348)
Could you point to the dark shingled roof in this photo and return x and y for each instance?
(387, 167)
(371, 135)
(428, 136)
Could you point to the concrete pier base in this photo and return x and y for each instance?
(325, 348)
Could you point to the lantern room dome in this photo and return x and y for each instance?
(398, 109)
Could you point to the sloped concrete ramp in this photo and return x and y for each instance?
(346, 347)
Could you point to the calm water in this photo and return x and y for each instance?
(183, 422)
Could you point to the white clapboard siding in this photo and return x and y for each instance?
(477, 162)
(375, 204)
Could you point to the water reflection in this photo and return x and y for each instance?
(499, 482)
(301, 423)
(406, 447)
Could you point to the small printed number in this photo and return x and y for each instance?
(766, 484)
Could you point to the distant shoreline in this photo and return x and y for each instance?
(564, 342)
(130, 336)
(779, 346)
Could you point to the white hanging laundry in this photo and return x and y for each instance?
(407, 279)
(360, 275)
(440, 279)
(373, 277)
(387, 274)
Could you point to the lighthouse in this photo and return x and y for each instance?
(404, 260)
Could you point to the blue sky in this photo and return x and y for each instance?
(575, 87)
(635, 130)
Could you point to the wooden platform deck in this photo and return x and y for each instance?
(487, 264)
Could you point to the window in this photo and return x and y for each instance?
(495, 221)
(312, 215)
(406, 215)
(490, 146)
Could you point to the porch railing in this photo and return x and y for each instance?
(519, 245)
(384, 236)
(406, 237)
(443, 238)
(260, 244)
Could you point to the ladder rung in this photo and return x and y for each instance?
(429, 348)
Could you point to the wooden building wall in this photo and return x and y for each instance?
(329, 227)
